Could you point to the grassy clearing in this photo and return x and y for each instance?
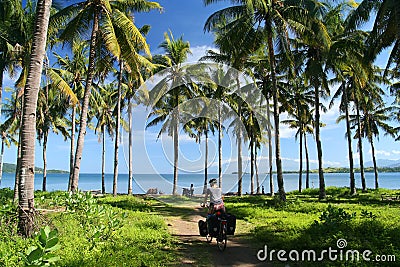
(304, 223)
(109, 231)
(132, 231)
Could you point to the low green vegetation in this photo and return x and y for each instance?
(88, 231)
(80, 230)
(362, 222)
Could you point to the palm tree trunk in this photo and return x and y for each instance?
(206, 162)
(301, 160)
(239, 141)
(18, 167)
(307, 162)
(360, 148)
(269, 132)
(275, 96)
(117, 127)
(130, 167)
(176, 146)
(256, 167)
(348, 134)
(251, 165)
(85, 104)
(1, 159)
(2, 69)
(27, 173)
(219, 148)
(103, 159)
(71, 155)
(44, 183)
(374, 161)
(322, 193)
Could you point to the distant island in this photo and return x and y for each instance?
(341, 170)
(10, 168)
(346, 170)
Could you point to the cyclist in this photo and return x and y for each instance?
(216, 197)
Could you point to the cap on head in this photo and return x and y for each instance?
(213, 181)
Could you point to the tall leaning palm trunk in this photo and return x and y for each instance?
(220, 146)
(371, 140)
(18, 167)
(103, 159)
(348, 135)
(85, 104)
(256, 169)
(322, 193)
(1, 159)
(307, 161)
(275, 96)
(269, 132)
(239, 155)
(176, 145)
(301, 159)
(44, 182)
(360, 147)
(72, 148)
(206, 156)
(251, 165)
(32, 86)
(117, 127)
(130, 167)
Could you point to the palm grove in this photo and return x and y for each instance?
(295, 51)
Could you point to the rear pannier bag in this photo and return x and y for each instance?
(202, 228)
(231, 224)
(213, 225)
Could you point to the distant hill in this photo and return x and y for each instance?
(383, 163)
(10, 168)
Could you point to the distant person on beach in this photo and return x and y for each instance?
(191, 190)
(216, 198)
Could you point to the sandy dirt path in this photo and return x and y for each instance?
(194, 249)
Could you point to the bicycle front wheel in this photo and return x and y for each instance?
(222, 238)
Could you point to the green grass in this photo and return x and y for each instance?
(133, 231)
(131, 235)
(304, 223)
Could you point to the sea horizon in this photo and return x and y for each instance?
(163, 182)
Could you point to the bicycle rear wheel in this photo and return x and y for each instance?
(222, 238)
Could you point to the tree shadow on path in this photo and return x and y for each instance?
(182, 219)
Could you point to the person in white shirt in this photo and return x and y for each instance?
(216, 197)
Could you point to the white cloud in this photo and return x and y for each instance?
(380, 152)
(396, 152)
(198, 52)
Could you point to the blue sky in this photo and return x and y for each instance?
(186, 18)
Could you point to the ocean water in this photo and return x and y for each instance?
(163, 182)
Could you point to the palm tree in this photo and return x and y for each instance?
(131, 82)
(301, 100)
(275, 18)
(103, 105)
(344, 60)
(70, 77)
(317, 46)
(386, 30)
(27, 170)
(234, 52)
(51, 110)
(9, 129)
(12, 29)
(166, 107)
(375, 116)
(108, 19)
